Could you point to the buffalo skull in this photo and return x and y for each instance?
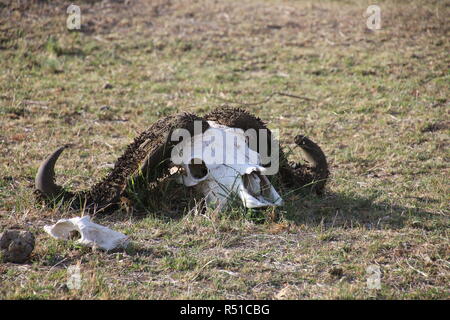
(215, 156)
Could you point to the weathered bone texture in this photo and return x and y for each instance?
(91, 234)
(232, 168)
(150, 153)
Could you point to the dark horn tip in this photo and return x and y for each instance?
(302, 141)
(44, 181)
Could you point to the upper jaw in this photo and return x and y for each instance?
(252, 187)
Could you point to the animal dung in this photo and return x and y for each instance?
(16, 245)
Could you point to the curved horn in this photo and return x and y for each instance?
(313, 153)
(239, 118)
(148, 155)
(316, 159)
(45, 177)
(149, 152)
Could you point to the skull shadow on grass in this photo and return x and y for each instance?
(339, 210)
(169, 200)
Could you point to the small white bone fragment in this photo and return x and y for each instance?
(92, 234)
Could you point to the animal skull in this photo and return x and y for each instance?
(220, 163)
(228, 166)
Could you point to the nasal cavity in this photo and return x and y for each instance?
(198, 168)
(257, 184)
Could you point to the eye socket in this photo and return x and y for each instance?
(198, 168)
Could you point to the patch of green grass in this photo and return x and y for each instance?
(379, 111)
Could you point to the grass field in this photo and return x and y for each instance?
(380, 111)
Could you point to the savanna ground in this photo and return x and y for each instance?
(380, 111)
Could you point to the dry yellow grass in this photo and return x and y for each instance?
(380, 113)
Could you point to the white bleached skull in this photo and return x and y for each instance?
(219, 163)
